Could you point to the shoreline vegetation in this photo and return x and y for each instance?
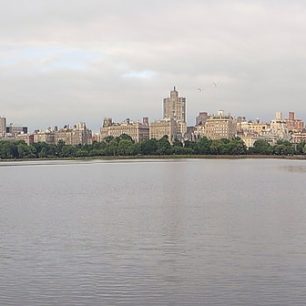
(123, 147)
(155, 157)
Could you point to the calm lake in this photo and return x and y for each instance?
(153, 232)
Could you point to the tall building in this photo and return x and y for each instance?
(175, 107)
(2, 126)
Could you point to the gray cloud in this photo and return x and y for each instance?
(64, 61)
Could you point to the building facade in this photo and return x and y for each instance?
(136, 130)
(161, 128)
(219, 126)
(27, 138)
(175, 107)
(202, 118)
(78, 135)
(298, 137)
(15, 130)
(293, 124)
(253, 127)
(44, 136)
(279, 128)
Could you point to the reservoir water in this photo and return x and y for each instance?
(153, 232)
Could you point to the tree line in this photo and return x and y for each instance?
(125, 146)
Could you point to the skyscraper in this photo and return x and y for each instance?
(175, 107)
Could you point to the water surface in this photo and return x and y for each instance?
(181, 232)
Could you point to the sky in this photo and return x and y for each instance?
(62, 62)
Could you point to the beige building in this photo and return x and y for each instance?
(2, 126)
(201, 118)
(199, 131)
(272, 132)
(78, 135)
(64, 135)
(96, 137)
(298, 137)
(136, 130)
(47, 137)
(27, 138)
(161, 128)
(279, 127)
(73, 137)
(220, 126)
(253, 127)
(181, 128)
(175, 107)
(293, 124)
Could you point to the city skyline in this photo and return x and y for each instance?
(83, 61)
(140, 118)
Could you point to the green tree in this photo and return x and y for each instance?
(283, 148)
(164, 146)
(111, 148)
(261, 147)
(148, 147)
(125, 147)
(202, 146)
(237, 147)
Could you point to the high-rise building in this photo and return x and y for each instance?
(175, 107)
(2, 126)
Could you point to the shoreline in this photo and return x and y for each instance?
(166, 157)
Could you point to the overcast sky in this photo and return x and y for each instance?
(63, 61)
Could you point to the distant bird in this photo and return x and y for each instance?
(199, 89)
(215, 84)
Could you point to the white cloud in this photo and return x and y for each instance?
(144, 74)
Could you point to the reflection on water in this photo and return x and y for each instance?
(294, 168)
(187, 232)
